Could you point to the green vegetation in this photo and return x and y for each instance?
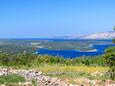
(11, 79)
(33, 60)
(71, 76)
(34, 83)
(110, 60)
(113, 40)
(60, 68)
(14, 56)
(70, 73)
(31, 45)
(16, 49)
(50, 64)
(114, 28)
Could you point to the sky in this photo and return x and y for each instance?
(47, 18)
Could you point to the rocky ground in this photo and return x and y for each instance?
(37, 76)
(43, 80)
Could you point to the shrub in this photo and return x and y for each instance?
(11, 79)
(110, 60)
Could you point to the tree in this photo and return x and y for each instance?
(114, 28)
(110, 60)
(113, 40)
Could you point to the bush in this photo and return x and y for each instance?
(30, 60)
(110, 60)
(11, 79)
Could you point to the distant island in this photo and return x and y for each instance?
(99, 35)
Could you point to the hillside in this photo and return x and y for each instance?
(101, 35)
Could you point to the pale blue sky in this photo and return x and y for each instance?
(45, 18)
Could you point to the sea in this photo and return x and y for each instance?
(99, 49)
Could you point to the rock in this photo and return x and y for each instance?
(36, 75)
(43, 80)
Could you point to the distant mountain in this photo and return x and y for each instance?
(67, 37)
(101, 35)
(62, 37)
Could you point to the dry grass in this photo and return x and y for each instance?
(73, 72)
(57, 68)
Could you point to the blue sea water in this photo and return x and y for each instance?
(74, 53)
